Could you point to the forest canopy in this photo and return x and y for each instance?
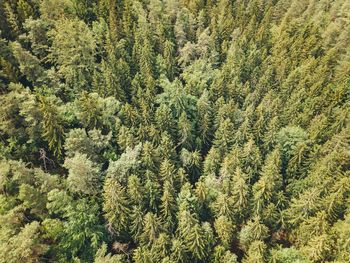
(175, 131)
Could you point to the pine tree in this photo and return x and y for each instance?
(160, 249)
(198, 242)
(223, 206)
(90, 111)
(270, 181)
(128, 162)
(164, 119)
(205, 117)
(225, 228)
(168, 205)
(212, 161)
(151, 229)
(240, 192)
(185, 129)
(186, 200)
(167, 171)
(29, 65)
(251, 160)
(192, 163)
(166, 147)
(52, 126)
(256, 253)
(135, 190)
(27, 246)
(178, 251)
(116, 206)
(32, 199)
(270, 136)
(193, 235)
(169, 57)
(222, 255)
(304, 206)
(287, 255)
(153, 190)
(102, 256)
(73, 50)
(289, 138)
(223, 138)
(252, 231)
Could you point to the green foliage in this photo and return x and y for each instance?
(102, 256)
(195, 237)
(26, 246)
(95, 112)
(116, 206)
(287, 255)
(256, 253)
(77, 141)
(127, 162)
(289, 138)
(82, 231)
(151, 229)
(222, 255)
(168, 205)
(225, 228)
(240, 191)
(32, 199)
(83, 176)
(341, 231)
(29, 64)
(252, 231)
(72, 51)
(269, 183)
(52, 128)
(174, 131)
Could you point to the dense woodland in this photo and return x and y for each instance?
(175, 131)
